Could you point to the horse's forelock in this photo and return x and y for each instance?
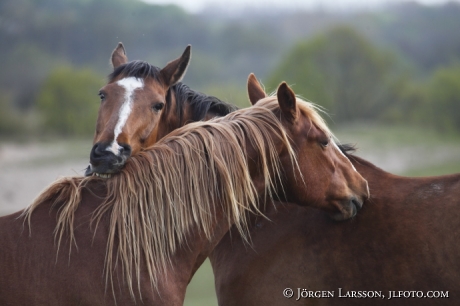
(137, 69)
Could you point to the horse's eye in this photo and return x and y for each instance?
(158, 107)
(102, 96)
(324, 142)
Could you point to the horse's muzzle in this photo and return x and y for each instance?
(103, 161)
(348, 208)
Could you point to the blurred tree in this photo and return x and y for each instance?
(427, 35)
(11, 123)
(341, 71)
(68, 101)
(23, 80)
(38, 35)
(433, 103)
(409, 102)
(444, 99)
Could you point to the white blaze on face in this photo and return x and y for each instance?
(130, 85)
(338, 149)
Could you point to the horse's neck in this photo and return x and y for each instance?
(192, 255)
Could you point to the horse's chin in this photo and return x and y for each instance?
(89, 170)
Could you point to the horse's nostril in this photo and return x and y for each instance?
(98, 153)
(125, 149)
(97, 150)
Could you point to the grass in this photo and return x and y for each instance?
(48, 152)
(370, 137)
(200, 291)
(404, 150)
(438, 169)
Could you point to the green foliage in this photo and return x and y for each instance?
(68, 101)
(408, 102)
(341, 71)
(434, 103)
(230, 93)
(425, 35)
(11, 123)
(27, 66)
(443, 107)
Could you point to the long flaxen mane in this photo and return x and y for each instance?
(175, 187)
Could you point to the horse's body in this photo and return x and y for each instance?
(141, 234)
(405, 239)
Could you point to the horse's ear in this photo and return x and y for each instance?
(119, 56)
(175, 70)
(287, 101)
(255, 90)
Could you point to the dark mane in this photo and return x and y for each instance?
(347, 149)
(200, 103)
(137, 69)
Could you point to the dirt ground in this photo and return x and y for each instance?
(26, 169)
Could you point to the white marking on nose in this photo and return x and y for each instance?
(338, 149)
(130, 85)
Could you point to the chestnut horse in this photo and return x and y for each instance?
(141, 104)
(401, 249)
(156, 218)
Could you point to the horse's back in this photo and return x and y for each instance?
(411, 245)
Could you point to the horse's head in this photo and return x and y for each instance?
(329, 182)
(133, 103)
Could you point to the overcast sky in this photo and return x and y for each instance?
(198, 5)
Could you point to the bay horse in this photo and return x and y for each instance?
(142, 103)
(139, 236)
(401, 249)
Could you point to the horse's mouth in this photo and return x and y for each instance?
(357, 203)
(90, 171)
(347, 209)
(103, 175)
